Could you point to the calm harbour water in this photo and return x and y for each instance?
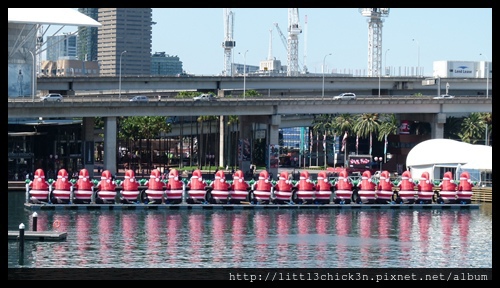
(281, 238)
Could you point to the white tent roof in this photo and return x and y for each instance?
(483, 161)
(56, 16)
(446, 151)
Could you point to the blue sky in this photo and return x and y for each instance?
(195, 35)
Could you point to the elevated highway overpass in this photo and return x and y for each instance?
(266, 85)
(114, 107)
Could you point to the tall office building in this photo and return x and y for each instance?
(124, 29)
(61, 47)
(87, 37)
(164, 64)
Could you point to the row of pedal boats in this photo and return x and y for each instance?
(172, 189)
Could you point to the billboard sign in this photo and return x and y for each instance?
(462, 69)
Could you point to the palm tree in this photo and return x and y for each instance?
(366, 125)
(452, 127)
(343, 124)
(473, 128)
(488, 126)
(388, 125)
(320, 125)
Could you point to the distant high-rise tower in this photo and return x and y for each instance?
(61, 47)
(163, 64)
(87, 37)
(124, 29)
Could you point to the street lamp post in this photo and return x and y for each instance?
(244, 72)
(120, 77)
(487, 68)
(385, 55)
(33, 78)
(418, 55)
(323, 71)
(487, 87)
(385, 61)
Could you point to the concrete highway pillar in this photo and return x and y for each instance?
(274, 125)
(110, 137)
(438, 126)
(222, 132)
(245, 142)
(88, 147)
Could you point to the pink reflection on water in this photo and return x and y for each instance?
(343, 223)
(129, 230)
(424, 219)
(365, 224)
(405, 220)
(447, 223)
(106, 224)
(219, 221)
(322, 228)
(261, 224)
(463, 220)
(283, 223)
(83, 227)
(196, 228)
(384, 227)
(305, 224)
(154, 224)
(174, 225)
(239, 224)
(61, 223)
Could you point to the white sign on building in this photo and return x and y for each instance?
(456, 69)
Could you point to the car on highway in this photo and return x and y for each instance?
(205, 97)
(139, 98)
(444, 96)
(52, 97)
(345, 96)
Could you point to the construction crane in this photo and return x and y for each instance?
(270, 51)
(228, 43)
(305, 46)
(282, 37)
(293, 42)
(374, 38)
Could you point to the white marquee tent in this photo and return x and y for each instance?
(433, 154)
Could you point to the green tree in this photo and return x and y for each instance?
(143, 127)
(388, 125)
(367, 124)
(488, 125)
(452, 128)
(473, 128)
